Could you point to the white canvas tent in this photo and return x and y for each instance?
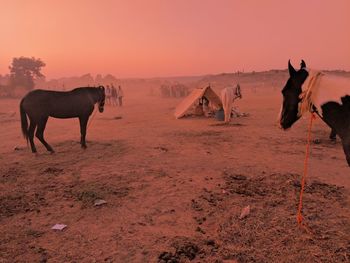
(193, 98)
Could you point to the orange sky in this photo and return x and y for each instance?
(147, 38)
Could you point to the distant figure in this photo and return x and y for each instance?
(108, 95)
(120, 96)
(114, 96)
(206, 110)
(198, 109)
(165, 90)
(228, 96)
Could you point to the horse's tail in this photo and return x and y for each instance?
(24, 121)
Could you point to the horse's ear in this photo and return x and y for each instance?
(302, 64)
(292, 71)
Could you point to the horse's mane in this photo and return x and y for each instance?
(309, 92)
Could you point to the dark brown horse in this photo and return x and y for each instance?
(39, 105)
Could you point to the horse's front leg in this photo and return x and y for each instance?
(83, 123)
(346, 147)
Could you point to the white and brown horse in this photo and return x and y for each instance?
(228, 96)
(325, 94)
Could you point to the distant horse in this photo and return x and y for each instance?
(325, 94)
(228, 96)
(39, 105)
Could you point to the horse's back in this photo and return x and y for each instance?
(332, 88)
(43, 94)
(53, 96)
(58, 104)
(39, 97)
(227, 94)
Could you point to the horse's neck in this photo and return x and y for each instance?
(93, 96)
(330, 88)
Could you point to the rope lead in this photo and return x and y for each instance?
(307, 155)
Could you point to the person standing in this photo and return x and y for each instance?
(120, 95)
(114, 96)
(108, 95)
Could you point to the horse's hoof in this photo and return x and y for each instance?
(84, 147)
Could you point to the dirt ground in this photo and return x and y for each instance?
(174, 188)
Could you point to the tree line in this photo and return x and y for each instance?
(24, 71)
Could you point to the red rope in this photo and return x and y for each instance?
(307, 155)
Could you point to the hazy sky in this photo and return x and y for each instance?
(148, 38)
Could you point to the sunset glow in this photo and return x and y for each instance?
(171, 38)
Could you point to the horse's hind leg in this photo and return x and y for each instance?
(31, 130)
(333, 135)
(83, 123)
(40, 134)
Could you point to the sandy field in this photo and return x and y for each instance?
(175, 189)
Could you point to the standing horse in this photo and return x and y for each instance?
(327, 95)
(228, 96)
(39, 105)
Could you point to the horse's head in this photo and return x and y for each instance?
(101, 99)
(291, 92)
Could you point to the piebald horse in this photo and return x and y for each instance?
(39, 105)
(325, 94)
